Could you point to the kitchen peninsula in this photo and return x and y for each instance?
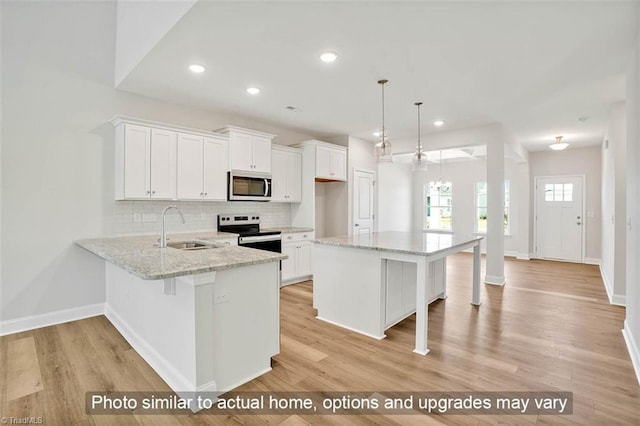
(185, 310)
(369, 282)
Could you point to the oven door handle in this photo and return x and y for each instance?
(266, 187)
(256, 239)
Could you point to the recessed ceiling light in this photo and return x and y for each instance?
(438, 123)
(328, 57)
(253, 90)
(376, 134)
(197, 68)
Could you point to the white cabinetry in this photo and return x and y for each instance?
(298, 267)
(161, 161)
(249, 150)
(286, 177)
(331, 163)
(201, 167)
(145, 162)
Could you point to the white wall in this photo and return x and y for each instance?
(463, 175)
(57, 166)
(576, 161)
(614, 209)
(395, 197)
(140, 25)
(632, 322)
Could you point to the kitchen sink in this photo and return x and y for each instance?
(192, 245)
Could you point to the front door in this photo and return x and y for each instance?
(559, 218)
(363, 196)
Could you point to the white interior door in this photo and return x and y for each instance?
(363, 196)
(559, 218)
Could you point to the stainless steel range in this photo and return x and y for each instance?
(248, 226)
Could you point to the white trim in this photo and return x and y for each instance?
(509, 253)
(584, 218)
(32, 322)
(176, 381)
(384, 336)
(523, 256)
(592, 261)
(614, 299)
(634, 353)
(494, 280)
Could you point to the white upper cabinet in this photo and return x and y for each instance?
(286, 177)
(202, 167)
(159, 161)
(145, 162)
(189, 174)
(249, 150)
(215, 168)
(331, 163)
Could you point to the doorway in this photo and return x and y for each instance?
(363, 197)
(559, 218)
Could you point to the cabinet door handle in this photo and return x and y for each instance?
(205, 194)
(148, 192)
(153, 192)
(201, 194)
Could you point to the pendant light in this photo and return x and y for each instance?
(382, 150)
(558, 145)
(419, 160)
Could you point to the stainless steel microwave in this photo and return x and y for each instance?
(249, 186)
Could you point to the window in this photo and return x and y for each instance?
(558, 192)
(437, 197)
(481, 207)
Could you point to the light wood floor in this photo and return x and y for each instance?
(549, 328)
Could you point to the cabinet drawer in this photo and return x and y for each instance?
(297, 237)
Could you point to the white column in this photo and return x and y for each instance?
(495, 213)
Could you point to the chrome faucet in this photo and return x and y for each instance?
(163, 235)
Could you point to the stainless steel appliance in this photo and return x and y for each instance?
(249, 186)
(250, 235)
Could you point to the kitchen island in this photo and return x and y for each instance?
(206, 319)
(369, 282)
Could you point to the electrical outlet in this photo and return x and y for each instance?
(220, 297)
(137, 217)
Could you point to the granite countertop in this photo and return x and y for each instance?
(288, 229)
(141, 255)
(421, 243)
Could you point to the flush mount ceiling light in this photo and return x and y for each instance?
(253, 90)
(419, 160)
(438, 123)
(328, 57)
(558, 145)
(197, 68)
(382, 149)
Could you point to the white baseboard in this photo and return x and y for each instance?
(634, 353)
(614, 299)
(523, 256)
(494, 280)
(50, 318)
(176, 381)
(592, 261)
(384, 336)
(510, 254)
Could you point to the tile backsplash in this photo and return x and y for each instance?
(144, 217)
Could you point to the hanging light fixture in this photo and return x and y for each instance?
(382, 150)
(440, 185)
(419, 160)
(558, 145)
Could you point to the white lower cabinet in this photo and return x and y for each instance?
(298, 267)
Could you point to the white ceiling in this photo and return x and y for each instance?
(534, 67)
